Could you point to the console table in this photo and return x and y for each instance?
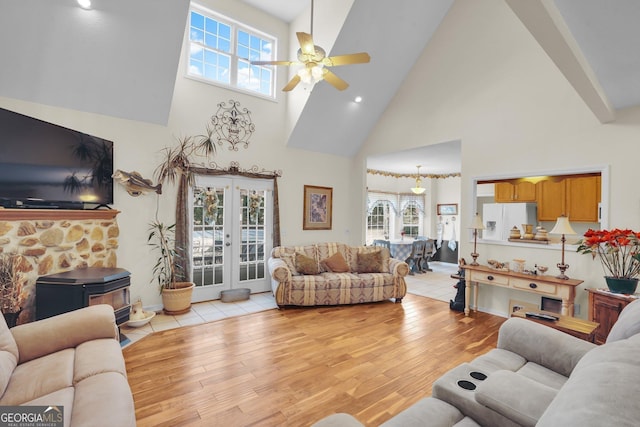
(548, 286)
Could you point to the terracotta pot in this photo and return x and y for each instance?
(619, 285)
(178, 300)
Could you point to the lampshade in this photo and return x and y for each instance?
(476, 223)
(562, 226)
(417, 189)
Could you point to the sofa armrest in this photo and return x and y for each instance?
(543, 345)
(67, 330)
(398, 268)
(515, 396)
(279, 270)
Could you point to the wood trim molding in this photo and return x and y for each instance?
(56, 214)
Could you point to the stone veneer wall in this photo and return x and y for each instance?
(57, 241)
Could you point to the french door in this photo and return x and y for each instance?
(231, 235)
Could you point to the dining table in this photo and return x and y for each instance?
(401, 248)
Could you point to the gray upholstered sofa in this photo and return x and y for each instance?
(335, 273)
(71, 360)
(537, 376)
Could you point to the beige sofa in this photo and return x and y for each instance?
(537, 376)
(335, 273)
(71, 360)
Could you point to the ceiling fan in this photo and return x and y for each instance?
(315, 62)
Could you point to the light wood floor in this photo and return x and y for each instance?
(295, 366)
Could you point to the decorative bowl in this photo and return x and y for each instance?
(148, 315)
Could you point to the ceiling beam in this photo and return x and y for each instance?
(546, 25)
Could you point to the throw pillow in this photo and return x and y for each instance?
(306, 265)
(290, 260)
(370, 262)
(335, 264)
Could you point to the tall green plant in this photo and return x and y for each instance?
(162, 239)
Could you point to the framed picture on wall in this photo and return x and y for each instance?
(450, 209)
(318, 202)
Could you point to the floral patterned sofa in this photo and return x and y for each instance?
(335, 273)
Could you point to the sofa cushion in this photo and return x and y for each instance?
(437, 412)
(98, 356)
(370, 262)
(517, 397)
(103, 400)
(628, 323)
(62, 397)
(306, 264)
(602, 389)
(290, 261)
(8, 355)
(335, 264)
(40, 376)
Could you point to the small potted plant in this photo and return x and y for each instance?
(619, 254)
(11, 283)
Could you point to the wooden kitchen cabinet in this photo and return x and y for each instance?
(604, 308)
(583, 196)
(576, 197)
(509, 192)
(551, 199)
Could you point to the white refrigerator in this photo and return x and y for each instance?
(499, 218)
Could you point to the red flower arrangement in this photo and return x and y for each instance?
(618, 250)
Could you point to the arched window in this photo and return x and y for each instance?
(378, 221)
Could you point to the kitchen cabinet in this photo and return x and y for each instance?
(576, 197)
(583, 196)
(521, 191)
(551, 199)
(605, 308)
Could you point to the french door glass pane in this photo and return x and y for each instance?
(252, 231)
(208, 235)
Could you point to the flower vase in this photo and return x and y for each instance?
(621, 285)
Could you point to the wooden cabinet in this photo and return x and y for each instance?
(583, 196)
(576, 197)
(551, 199)
(521, 191)
(604, 308)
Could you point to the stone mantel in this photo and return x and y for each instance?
(56, 214)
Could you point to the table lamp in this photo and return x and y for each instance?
(476, 225)
(562, 227)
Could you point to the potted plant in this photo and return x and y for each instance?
(11, 282)
(619, 254)
(176, 293)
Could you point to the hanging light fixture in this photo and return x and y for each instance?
(417, 189)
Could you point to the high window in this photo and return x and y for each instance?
(220, 51)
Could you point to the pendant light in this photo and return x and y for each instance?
(417, 189)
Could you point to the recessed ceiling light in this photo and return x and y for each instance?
(358, 99)
(85, 4)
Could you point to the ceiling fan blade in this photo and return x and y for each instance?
(272, 62)
(292, 83)
(334, 80)
(352, 58)
(306, 43)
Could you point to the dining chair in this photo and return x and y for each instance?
(429, 252)
(383, 243)
(417, 254)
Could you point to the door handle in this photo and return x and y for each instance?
(227, 244)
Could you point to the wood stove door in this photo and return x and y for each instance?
(231, 235)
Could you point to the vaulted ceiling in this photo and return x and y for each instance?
(57, 60)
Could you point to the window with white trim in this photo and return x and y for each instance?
(378, 222)
(411, 219)
(220, 51)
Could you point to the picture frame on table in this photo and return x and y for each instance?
(447, 209)
(317, 210)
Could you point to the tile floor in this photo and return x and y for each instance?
(436, 284)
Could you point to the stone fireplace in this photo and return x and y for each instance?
(54, 241)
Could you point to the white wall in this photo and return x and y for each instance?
(484, 80)
(137, 146)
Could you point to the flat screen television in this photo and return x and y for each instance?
(43, 165)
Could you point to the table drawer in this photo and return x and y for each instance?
(494, 279)
(533, 286)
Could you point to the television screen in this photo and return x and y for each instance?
(50, 166)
